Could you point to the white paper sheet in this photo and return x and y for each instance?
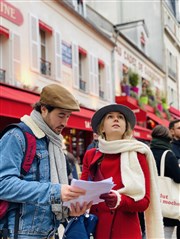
(93, 190)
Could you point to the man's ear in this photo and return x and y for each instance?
(43, 110)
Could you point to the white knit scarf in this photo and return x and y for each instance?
(134, 182)
(57, 159)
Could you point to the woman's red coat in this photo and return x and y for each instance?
(123, 222)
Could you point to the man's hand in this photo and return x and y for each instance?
(70, 192)
(77, 210)
(112, 199)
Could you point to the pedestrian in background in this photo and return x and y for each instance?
(132, 166)
(174, 127)
(94, 143)
(40, 198)
(161, 138)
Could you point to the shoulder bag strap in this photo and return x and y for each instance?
(162, 165)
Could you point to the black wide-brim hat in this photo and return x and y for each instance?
(99, 115)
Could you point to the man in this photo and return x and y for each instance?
(43, 190)
(94, 143)
(174, 127)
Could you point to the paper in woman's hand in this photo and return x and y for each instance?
(93, 190)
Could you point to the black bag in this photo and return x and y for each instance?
(82, 227)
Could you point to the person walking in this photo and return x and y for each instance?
(40, 198)
(161, 138)
(174, 127)
(132, 166)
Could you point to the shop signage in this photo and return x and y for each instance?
(11, 13)
(87, 124)
(130, 60)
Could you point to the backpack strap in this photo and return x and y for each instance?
(30, 151)
(30, 148)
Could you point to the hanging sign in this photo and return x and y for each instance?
(11, 13)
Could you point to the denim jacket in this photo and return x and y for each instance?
(35, 196)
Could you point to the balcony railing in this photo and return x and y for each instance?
(101, 94)
(2, 75)
(82, 85)
(45, 67)
(171, 73)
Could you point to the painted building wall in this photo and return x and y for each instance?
(66, 32)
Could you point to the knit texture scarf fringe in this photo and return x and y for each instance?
(134, 182)
(58, 169)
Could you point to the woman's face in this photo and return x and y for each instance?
(114, 126)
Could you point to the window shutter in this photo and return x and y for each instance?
(58, 56)
(108, 85)
(34, 43)
(96, 80)
(75, 58)
(16, 56)
(93, 75)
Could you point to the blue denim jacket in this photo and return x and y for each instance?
(36, 218)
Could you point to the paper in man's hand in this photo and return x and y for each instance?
(93, 190)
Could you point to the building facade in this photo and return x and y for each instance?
(162, 44)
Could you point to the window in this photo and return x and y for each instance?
(172, 65)
(101, 77)
(45, 64)
(4, 36)
(41, 42)
(79, 68)
(82, 69)
(80, 6)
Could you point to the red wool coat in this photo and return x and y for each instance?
(122, 222)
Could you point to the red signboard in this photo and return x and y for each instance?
(11, 13)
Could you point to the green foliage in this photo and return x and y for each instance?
(133, 78)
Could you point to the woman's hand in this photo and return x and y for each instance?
(112, 199)
(77, 210)
(70, 192)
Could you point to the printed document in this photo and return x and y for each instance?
(93, 190)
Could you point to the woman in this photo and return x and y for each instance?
(161, 138)
(132, 166)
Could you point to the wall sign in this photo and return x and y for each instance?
(11, 13)
(67, 54)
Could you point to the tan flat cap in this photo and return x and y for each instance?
(57, 96)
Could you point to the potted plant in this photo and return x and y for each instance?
(166, 107)
(143, 99)
(134, 80)
(125, 87)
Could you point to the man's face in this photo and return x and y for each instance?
(176, 131)
(56, 119)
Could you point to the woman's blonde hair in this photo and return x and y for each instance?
(127, 134)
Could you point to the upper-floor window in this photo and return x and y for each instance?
(45, 49)
(80, 6)
(101, 77)
(172, 65)
(80, 68)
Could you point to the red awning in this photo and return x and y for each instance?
(45, 27)
(157, 119)
(81, 120)
(82, 51)
(4, 31)
(14, 103)
(142, 133)
(174, 112)
(132, 104)
(101, 63)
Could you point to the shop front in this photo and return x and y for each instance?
(15, 102)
